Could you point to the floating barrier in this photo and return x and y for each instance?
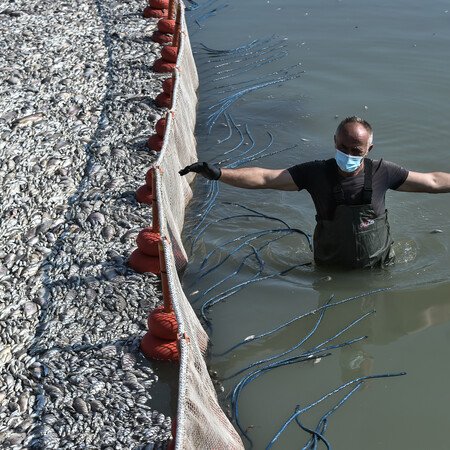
(201, 423)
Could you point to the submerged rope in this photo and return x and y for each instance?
(300, 411)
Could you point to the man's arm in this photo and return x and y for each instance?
(259, 178)
(432, 182)
(247, 178)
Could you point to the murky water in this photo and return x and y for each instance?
(390, 64)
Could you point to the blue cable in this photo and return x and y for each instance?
(356, 380)
(267, 333)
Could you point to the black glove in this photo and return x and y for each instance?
(209, 171)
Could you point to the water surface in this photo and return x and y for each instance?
(388, 63)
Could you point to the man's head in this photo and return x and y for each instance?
(353, 142)
(354, 136)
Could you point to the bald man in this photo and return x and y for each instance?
(348, 192)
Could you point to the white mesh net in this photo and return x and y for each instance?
(201, 423)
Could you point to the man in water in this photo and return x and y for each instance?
(348, 191)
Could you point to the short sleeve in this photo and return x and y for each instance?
(397, 175)
(302, 173)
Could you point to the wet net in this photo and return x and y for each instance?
(201, 423)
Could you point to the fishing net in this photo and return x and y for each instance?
(201, 423)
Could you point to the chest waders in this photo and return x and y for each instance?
(356, 237)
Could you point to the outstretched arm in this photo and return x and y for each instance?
(432, 182)
(247, 178)
(259, 178)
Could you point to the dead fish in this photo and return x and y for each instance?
(26, 120)
(80, 406)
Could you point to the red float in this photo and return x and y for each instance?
(170, 53)
(161, 38)
(171, 445)
(163, 100)
(155, 143)
(159, 4)
(161, 65)
(160, 127)
(150, 12)
(148, 241)
(142, 263)
(163, 324)
(144, 194)
(166, 26)
(157, 348)
(167, 86)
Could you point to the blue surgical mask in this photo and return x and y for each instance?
(346, 162)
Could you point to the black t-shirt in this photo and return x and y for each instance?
(314, 177)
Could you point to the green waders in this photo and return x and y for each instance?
(356, 237)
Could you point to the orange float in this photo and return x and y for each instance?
(161, 38)
(160, 127)
(144, 194)
(163, 324)
(166, 26)
(157, 348)
(161, 65)
(155, 143)
(142, 263)
(170, 53)
(148, 241)
(159, 4)
(167, 86)
(163, 100)
(154, 13)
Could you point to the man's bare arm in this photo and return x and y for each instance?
(247, 178)
(259, 178)
(432, 182)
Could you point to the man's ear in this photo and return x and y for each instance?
(370, 148)
(334, 139)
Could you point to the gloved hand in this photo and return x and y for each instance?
(209, 171)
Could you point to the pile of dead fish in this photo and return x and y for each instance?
(76, 109)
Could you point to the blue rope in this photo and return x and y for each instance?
(287, 351)
(243, 207)
(255, 156)
(317, 436)
(249, 66)
(226, 102)
(246, 151)
(243, 48)
(228, 293)
(235, 272)
(242, 161)
(323, 420)
(238, 389)
(267, 333)
(209, 14)
(356, 380)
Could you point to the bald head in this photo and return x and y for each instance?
(354, 136)
(356, 126)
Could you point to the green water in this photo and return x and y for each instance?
(389, 63)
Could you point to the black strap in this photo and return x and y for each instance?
(367, 190)
(338, 193)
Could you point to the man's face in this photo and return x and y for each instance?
(353, 140)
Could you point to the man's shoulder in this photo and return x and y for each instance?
(315, 164)
(309, 173)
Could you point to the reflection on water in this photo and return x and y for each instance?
(388, 63)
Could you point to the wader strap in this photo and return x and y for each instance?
(367, 190)
(338, 193)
